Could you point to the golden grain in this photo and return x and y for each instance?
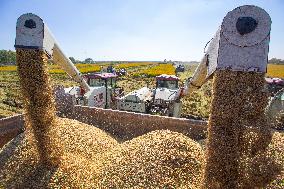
(238, 134)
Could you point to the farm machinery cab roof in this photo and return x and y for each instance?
(167, 89)
(167, 96)
(167, 81)
(101, 79)
(102, 90)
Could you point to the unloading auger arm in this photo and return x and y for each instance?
(33, 33)
(240, 44)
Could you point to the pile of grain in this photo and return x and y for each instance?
(276, 151)
(22, 166)
(38, 101)
(239, 135)
(91, 159)
(160, 159)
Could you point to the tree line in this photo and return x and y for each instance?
(7, 57)
(276, 61)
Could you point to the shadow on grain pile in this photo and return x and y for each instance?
(59, 153)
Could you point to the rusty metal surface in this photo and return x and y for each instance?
(10, 127)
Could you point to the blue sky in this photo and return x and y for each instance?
(134, 29)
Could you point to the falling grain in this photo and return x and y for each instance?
(38, 100)
(238, 134)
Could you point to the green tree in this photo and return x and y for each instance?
(276, 61)
(89, 60)
(7, 57)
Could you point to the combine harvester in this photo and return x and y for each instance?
(101, 92)
(163, 100)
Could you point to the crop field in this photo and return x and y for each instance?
(10, 99)
(140, 74)
(275, 70)
(133, 65)
(156, 70)
(83, 68)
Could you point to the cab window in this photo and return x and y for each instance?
(96, 82)
(172, 84)
(167, 84)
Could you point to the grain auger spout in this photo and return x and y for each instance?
(236, 58)
(240, 44)
(33, 33)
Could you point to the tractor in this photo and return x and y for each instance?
(163, 100)
(102, 91)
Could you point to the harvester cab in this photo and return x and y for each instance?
(103, 91)
(101, 79)
(167, 96)
(167, 81)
